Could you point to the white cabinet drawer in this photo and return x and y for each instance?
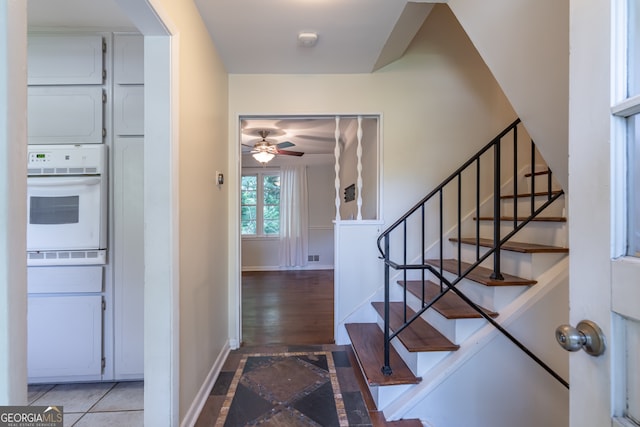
(67, 279)
(64, 59)
(65, 114)
(64, 338)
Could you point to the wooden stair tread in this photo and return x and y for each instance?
(450, 305)
(480, 274)
(529, 174)
(520, 219)
(419, 335)
(536, 194)
(525, 248)
(367, 341)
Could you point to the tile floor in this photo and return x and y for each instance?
(93, 404)
(354, 405)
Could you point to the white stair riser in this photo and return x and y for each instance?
(557, 208)
(541, 183)
(492, 298)
(384, 395)
(456, 330)
(524, 265)
(418, 362)
(540, 232)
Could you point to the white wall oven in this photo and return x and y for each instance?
(66, 205)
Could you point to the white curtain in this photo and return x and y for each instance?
(294, 214)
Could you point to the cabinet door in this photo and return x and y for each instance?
(65, 114)
(128, 110)
(64, 59)
(64, 338)
(128, 258)
(128, 59)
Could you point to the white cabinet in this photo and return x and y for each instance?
(64, 337)
(128, 257)
(128, 109)
(65, 114)
(128, 88)
(128, 209)
(57, 59)
(64, 323)
(128, 59)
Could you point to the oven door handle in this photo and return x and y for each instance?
(49, 182)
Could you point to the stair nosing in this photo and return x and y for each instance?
(536, 194)
(513, 246)
(401, 374)
(521, 219)
(444, 344)
(509, 280)
(411, 284)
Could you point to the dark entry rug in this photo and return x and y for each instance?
(285, 389)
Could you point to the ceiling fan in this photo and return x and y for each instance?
(263, 151)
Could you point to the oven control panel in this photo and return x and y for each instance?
(66, 159)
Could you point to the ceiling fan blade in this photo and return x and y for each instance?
(285, 144)
(290, 153)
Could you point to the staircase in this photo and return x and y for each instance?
(501, 238)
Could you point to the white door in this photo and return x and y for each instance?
(604, 280)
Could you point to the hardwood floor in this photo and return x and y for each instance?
(287, 307)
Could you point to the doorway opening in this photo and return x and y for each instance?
(286, 241)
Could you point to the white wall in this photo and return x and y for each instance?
(439, 104)
(13, 212)
(186, 214)
(203, 206)
(501, 386)
(525, 44)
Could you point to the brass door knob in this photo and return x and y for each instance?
(587, 336)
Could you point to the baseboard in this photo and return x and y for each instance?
(278, 268)
(191, 417)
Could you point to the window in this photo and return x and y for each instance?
(627, 125)
(260, 204)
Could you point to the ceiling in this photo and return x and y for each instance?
(261, 37)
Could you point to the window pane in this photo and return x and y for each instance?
(248, 220)
(271, 204)
(633, 40)
(271, 226)
(633, 167)
(248, 227)
(249, 200)
(249, 182)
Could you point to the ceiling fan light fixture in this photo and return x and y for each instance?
(263, 156)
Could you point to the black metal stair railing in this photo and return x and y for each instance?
(418, 217)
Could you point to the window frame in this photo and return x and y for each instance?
(260, 221)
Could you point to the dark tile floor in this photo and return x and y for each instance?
(286, 386)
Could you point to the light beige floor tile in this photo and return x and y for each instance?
(125, 396)
(74, 397)
(70, 419)
(112, 419)
(35, 391)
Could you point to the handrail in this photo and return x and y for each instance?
(498, 241)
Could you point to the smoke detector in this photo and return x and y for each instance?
(307, 39)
